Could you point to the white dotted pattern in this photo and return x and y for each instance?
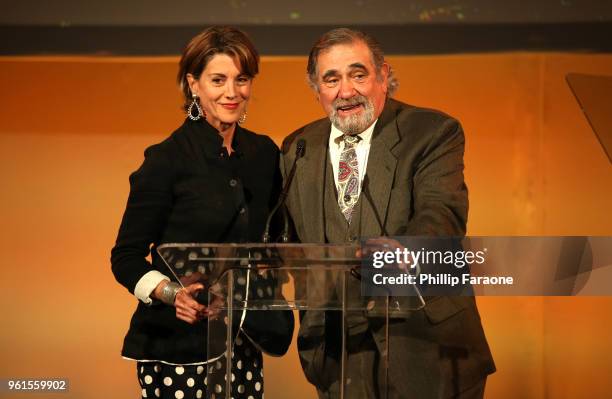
(185, 382)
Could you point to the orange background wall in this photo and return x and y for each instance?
(73, 128)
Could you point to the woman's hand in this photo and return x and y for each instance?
(187, 308)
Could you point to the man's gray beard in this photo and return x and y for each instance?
(356, 123)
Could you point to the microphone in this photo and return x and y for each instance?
(365, 189)
(300, 149)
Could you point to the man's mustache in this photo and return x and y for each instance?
(339, 103)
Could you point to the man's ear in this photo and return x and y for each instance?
(313, 87)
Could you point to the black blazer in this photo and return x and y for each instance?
(189, 190)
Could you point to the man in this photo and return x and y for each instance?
(379, 167)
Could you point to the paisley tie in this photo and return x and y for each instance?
(348, 177)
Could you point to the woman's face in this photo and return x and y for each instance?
(223, 90)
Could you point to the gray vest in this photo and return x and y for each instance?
(337, 230)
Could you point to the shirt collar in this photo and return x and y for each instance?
(366, 135)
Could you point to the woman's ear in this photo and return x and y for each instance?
(193, 84)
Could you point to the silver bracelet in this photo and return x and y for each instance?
(168, 293)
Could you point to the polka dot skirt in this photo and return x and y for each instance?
(159, 380)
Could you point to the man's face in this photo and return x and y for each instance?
(350, 91)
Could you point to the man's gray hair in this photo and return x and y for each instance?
(348, 36)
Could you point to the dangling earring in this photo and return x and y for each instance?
(242, 118)
(199, 112)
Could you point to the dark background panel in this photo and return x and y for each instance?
(299, 12)
(160, 27)
(297, 40)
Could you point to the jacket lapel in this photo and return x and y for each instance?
(380, 170)
(311, 178)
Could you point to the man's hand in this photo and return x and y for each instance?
(385, 244)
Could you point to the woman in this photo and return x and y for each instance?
(210, 181)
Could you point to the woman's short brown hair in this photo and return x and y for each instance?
(211, 41)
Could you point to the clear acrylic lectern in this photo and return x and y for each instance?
(243, 278)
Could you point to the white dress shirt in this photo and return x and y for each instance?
(146, 285)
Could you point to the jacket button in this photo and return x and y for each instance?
(233, 183)
(242, 210)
